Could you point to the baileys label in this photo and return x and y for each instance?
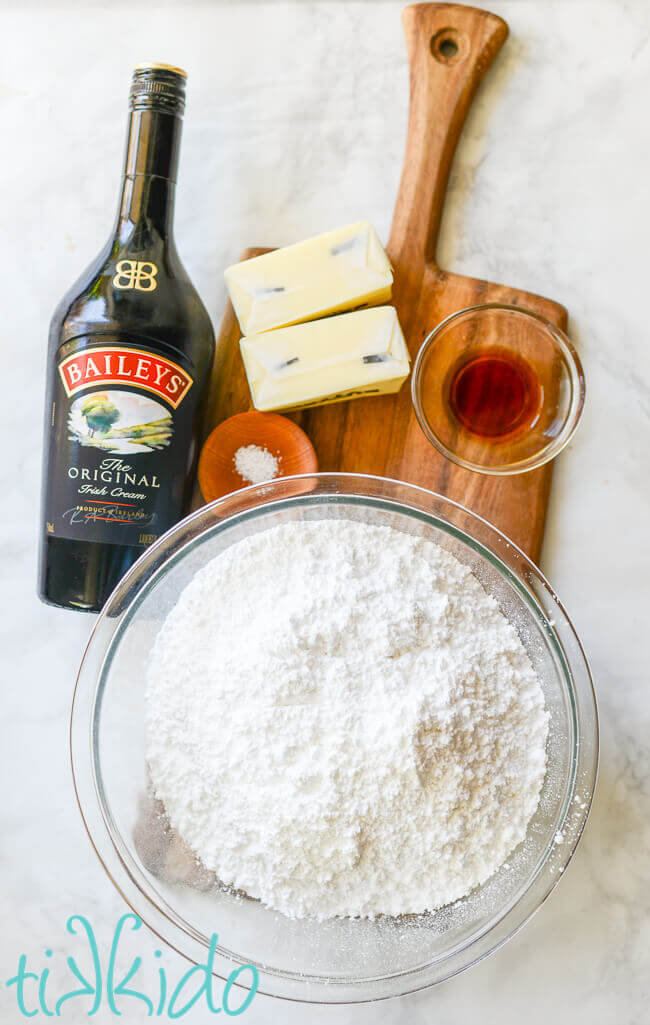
(111, 365)
(121, 423)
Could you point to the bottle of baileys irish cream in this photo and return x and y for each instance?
(130, 352)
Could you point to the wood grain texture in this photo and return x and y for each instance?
(450, 48)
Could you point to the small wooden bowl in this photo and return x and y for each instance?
(281, 436)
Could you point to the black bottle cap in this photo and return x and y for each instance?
(158, 87)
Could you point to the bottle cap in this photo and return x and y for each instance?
(157, 86)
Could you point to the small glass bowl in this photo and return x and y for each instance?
(498, 388)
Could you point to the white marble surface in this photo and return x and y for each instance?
(296, 122)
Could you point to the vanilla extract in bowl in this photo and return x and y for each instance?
(494, 393)
(497, 388)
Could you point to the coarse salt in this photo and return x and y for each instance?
(256, 464)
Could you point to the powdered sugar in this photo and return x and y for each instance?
(340, 721)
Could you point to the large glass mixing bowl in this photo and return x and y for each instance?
(339, 960)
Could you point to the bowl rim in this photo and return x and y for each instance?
(574, 412)
(82, 748)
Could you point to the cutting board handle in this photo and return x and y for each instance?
(450, 47)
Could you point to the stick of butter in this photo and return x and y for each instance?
(361, 353)
(337, 271)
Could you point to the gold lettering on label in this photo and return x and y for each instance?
(137, 274)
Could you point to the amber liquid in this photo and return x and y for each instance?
(495, 393)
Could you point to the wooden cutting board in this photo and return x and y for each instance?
(450, 48)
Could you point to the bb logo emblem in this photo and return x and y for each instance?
(138, 274)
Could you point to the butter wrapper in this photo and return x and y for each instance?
(327, 360)
(340, 270)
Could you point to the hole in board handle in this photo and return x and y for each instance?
(449, 46)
